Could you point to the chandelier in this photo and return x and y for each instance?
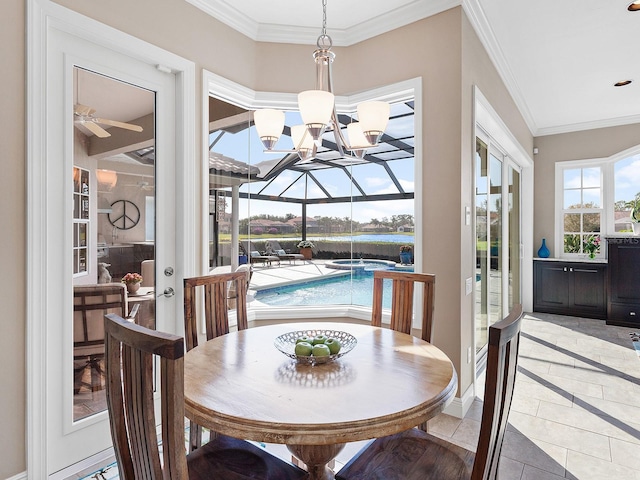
(318, 112)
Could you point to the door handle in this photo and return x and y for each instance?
(168, 292)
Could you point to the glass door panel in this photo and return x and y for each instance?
(498, 239)
(495, 239)
(482, 248)
(113, 222)
(514, 238)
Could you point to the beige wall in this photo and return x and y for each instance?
(598, 143)
(12, 253)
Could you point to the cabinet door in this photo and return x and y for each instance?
(589, 290)
(551, 287)
(624, 278)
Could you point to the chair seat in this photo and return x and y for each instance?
(409, 455)
(228, 458)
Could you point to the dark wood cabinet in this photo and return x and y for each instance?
(623, 279)
(570, 288)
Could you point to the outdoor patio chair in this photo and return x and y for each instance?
(274, 248)
(416, 455)
(217, 299)
(256, 257)
(131, 350)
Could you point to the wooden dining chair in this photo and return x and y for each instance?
(417, 455)
(90, 304)
(130, 351)
(216, 294)
(402, 288)
(216, 304)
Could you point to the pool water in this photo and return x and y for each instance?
(354, 289)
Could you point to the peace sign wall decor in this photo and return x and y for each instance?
(124, 214)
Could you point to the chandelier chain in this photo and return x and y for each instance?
(324, 17)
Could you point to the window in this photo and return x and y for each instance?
(80, 220)
(626, 192)
(582, 208)
(595, 197)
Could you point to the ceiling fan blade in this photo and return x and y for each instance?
(80, 109)
(96, 129)
(114, 123)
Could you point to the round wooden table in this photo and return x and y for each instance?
(242, 386)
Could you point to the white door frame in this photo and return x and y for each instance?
(43, 16)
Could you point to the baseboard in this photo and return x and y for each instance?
(87, 465)
(20, 476)
(460, 405)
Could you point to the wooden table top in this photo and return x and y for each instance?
(240, 385)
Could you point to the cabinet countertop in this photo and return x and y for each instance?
(571, 260)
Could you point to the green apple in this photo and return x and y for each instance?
(319, 339)
(333, 344)
(303, 349)
(304, 338)
(321, 350)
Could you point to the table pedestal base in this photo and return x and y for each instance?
(316, 458)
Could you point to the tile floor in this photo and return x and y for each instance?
(576, 407)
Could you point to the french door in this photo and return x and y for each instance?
(498, 237)
(70, 256)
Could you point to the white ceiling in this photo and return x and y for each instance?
(558, 58)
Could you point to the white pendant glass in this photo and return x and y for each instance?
(357, 140)
(316, 107)
(303, 142)
(300, 141)
(269, 125)
(373, 117)
(107, 179)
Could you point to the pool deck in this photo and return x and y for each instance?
(287, 274)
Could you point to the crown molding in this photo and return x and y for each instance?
(481, 25)
(345, 37)
(577, 127)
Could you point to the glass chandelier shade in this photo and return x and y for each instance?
(316, 107)
(269, 124)
(373, 117)
(303, 142)
(107, 179)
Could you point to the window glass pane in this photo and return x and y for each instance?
(572, 178)
(591, 198)
(626, 191)
(591, 222)
(572, 244)
(572, 222)
(591, 177)
(572, 199)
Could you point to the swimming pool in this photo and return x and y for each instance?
(349, 289)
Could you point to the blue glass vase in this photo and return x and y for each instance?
(543, 251)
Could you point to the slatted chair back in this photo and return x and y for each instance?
(129, 350)
(502, 363)
(403, 286)
(216, 306)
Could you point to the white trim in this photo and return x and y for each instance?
(42, 17)
(19, 476)
(460, 405)
(94, 461)
(343, 37)
(592, 125)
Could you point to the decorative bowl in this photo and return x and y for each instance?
(286, 343)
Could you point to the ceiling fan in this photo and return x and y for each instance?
(142, 185)
(85, 117)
